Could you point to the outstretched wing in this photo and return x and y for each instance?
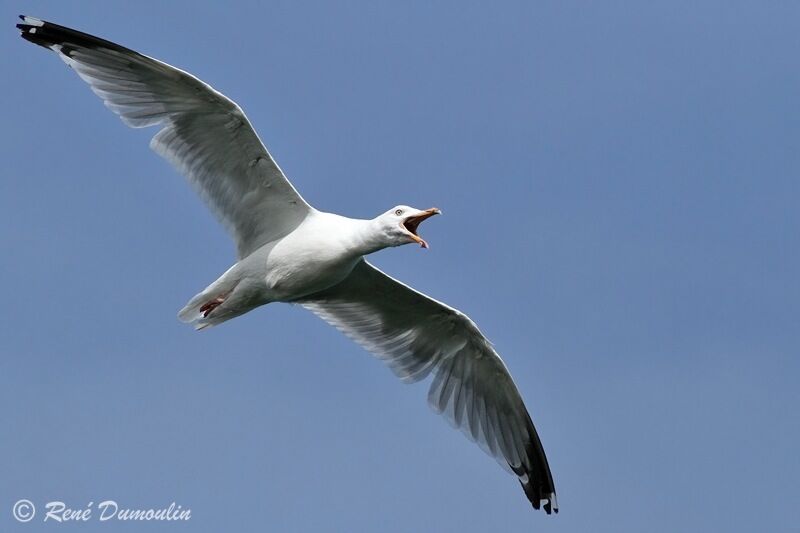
(416, 335)
(205, 135)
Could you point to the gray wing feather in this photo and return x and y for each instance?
(416, 336)
(205, 135)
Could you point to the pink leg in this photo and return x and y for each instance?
(210, 306)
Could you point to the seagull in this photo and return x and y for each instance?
(288, 251)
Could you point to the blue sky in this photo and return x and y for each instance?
(619, 184)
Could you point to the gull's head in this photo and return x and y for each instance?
(400, 223)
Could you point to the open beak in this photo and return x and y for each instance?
(411, 224)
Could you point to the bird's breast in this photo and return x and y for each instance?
(302, 267)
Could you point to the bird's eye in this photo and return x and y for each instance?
(398, 212)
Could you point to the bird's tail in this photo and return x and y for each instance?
(208, 308)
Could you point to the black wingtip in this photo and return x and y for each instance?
(550, 506)
(540, 497)
(533, 474)
(30, 29)
(48, 34)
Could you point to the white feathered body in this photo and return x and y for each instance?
(318, 254)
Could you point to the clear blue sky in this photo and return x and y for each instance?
(619, 183)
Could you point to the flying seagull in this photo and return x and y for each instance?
(290, 252)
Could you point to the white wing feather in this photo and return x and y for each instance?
(205, 135)
(417, 335)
